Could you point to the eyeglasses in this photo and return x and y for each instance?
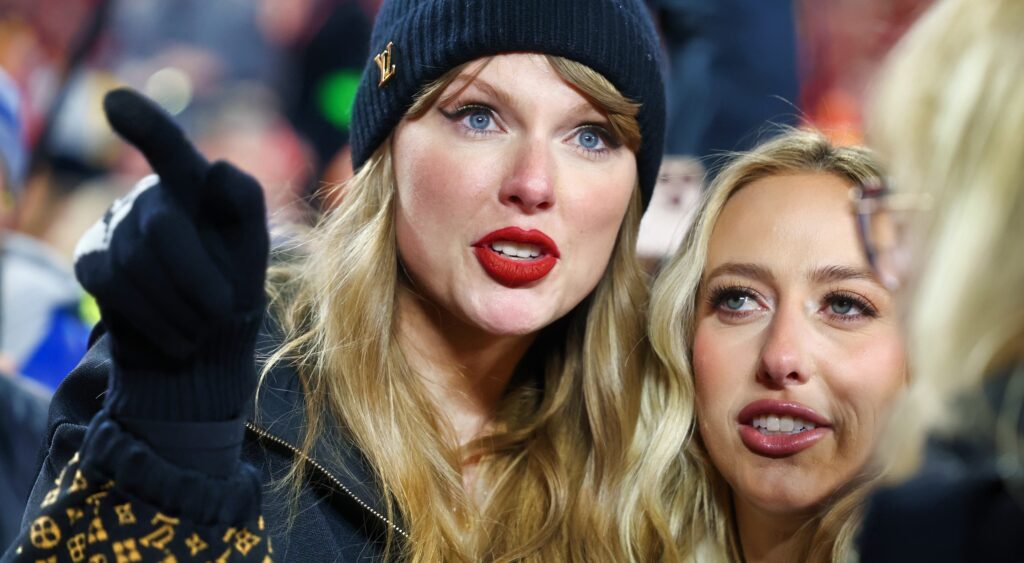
(886, 223)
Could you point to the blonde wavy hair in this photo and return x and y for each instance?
(706, 526)
(553, 469)
(947, 113)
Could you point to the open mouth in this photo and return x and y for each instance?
(772, 425)
(517, 251)
(774, 428)
(515, 257)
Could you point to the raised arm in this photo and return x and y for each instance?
(177, 267)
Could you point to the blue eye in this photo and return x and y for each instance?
(842, 306)
(735, 302)
(475, 119)
(589, 139)
(848, 307)
(480, 120)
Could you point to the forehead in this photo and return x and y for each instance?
(522, 78)
(788, 223)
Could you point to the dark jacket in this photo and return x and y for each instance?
(22, 427)
(967, 502)
(337, 515)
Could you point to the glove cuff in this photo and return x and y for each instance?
(214, 386)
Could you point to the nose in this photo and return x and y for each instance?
(530, 183)
(785, 354)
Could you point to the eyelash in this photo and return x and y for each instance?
(610, 141)
(461, 112)
(718, 296)
(607, 138)
(867, 310)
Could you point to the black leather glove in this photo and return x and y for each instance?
(177, 267)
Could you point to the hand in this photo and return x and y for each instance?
(178, 265)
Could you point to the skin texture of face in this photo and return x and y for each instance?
(790, 312)
(514, 146)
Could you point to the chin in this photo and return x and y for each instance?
(785, 499)
(513, 319)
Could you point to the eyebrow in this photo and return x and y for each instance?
(743, 270)
(821, 275)
(829, 274)
(465, 81)
(468, 81)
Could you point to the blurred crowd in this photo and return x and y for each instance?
(268, 85)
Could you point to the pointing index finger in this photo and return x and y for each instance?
(150, 129)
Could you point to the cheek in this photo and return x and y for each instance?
(425, 188)
(435, 200)
(594, 208)
(877, 374)
(425, 221)
(873, 377)
(435, 186)
(715, 380)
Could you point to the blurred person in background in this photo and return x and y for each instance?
(948, 115)
(22, 403)
(771, 314)
(673, 204)
(732, 71)
(326, 42)
(42, 331)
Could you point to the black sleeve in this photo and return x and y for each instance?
(104, 495)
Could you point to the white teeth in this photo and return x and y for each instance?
(785, 424)
(516, 250)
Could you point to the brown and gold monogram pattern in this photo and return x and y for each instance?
(90, 521)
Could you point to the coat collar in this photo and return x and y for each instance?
(280, 412)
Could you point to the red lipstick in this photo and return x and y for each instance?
(777, 445)
(512, 271)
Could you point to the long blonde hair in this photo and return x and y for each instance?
(707, 526)
(948, 113)
(554, 465)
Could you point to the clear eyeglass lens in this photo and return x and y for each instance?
(890, 234)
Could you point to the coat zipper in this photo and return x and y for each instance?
(263, 434)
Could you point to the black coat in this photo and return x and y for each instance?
(338, 515)
(965, 504)
(22, 427)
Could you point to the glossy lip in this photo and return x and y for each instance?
(780, 445)
(511, 272)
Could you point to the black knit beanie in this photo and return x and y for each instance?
(414, 42)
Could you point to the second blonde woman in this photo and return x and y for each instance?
(772, 313)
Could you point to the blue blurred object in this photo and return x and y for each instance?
(43, 331)
(732, 71)
(60, 349)
(12, 147)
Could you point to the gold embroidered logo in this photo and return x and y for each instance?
(44, 533)
(79, 483)
(124, 514)
(76, 548)
(125, 551)
(74, 514)
(196, 544)
(385, 64)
